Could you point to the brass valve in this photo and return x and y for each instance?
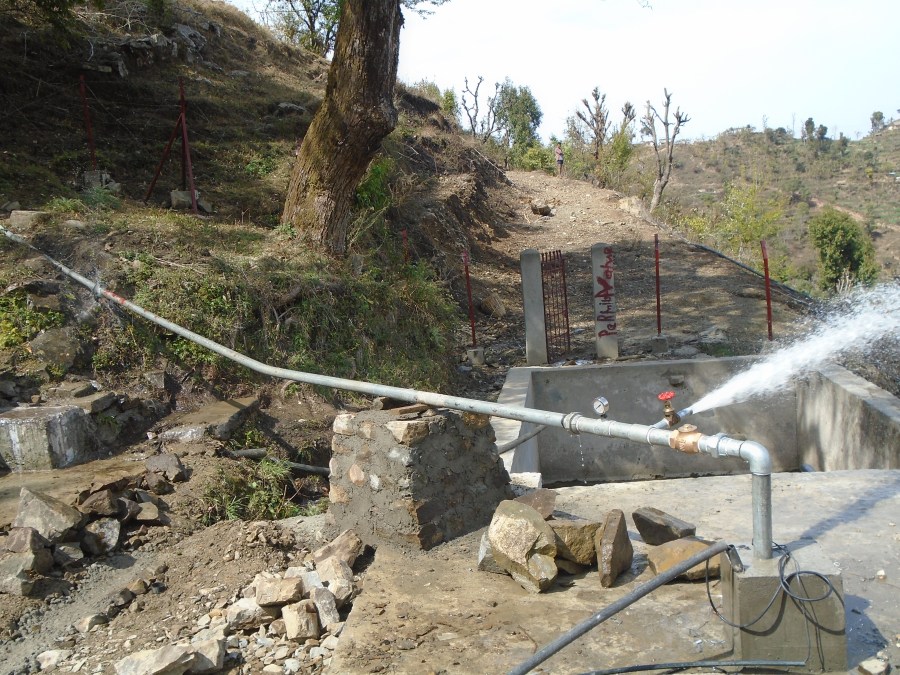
(685, 439)
(669, 413)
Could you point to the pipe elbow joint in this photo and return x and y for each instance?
(757, 456)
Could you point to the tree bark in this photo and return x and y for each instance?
(346, 132)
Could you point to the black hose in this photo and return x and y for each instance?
(660, 580)
(696, 664)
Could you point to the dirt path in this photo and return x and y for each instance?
(708, 304)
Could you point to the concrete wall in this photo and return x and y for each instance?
(632, 391)
(845, 422)
(832, 420)
(415, 479)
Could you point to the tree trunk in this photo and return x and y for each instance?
(346, 132)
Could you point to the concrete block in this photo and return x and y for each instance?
(475, 356)
(533, 305)
(784, 632)
(605, 327)
(41, 438)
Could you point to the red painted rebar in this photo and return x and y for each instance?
(765, 256)
(87, 123)
(186, 167)
(658, 304)
(565, 299)
(162, 161)
(186, 149)
(465, 257)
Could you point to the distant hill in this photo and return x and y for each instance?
(861, 178)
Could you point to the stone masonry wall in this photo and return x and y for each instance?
(415, 478)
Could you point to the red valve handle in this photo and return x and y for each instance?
(666, 396)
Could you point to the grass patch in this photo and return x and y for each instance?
(262, 491)
(19, 322)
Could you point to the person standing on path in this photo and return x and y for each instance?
(559, 160)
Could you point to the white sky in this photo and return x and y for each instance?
(727, 63)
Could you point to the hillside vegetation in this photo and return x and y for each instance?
(745, 185)
(385, 313)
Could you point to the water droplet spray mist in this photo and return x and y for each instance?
(856, 323)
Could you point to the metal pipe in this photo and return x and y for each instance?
(515, 443)
(760, 463)
(611, 610)
(574, 422)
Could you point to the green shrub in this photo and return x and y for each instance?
(843, 248)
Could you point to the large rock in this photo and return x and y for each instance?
(101, 536)
(102, 503)
(486, 561)
(218, 420)
(14, 576)
(541, 500)
(657, 527)
(301, 622)
(57, 347)
(277, 592)
(666, 556)
(168, 465)
(347, 547)
(209, 656)
(614, 550)
(575, 540)
(22, 539)
(326, 607)
(247, 613)
(22, 221)
(170, 660)
(50, 517)
(52, 658)
(524, 545)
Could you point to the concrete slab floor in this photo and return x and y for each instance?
(422, 612)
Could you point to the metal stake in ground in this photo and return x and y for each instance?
(658, 303)
(765, 256)
(465, 257)
(187, 171)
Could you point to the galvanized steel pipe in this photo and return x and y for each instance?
(573, 422)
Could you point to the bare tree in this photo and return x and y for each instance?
(596, 119)
(665, 149)
(487, 125)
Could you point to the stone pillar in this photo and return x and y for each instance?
(605, 330)
(533, 307)
(414, 478)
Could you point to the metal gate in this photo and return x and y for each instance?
(556, 304)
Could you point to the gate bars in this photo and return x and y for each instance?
(556, 304)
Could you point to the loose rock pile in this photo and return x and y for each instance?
(525, 541)
(49, 536)
(287, 621)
